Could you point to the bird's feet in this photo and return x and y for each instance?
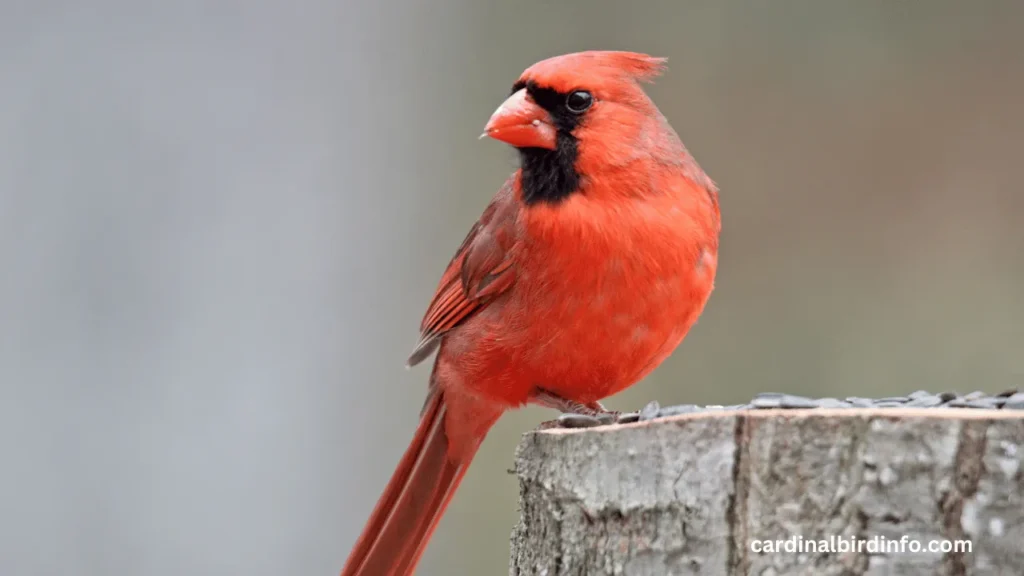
(580, 415)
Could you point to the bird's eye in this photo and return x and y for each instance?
(579, 101)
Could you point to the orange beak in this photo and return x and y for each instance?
(520, 122)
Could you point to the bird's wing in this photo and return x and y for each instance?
(480, 270)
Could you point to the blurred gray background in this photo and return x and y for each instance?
(220, 222)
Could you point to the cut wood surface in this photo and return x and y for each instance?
(694, 494)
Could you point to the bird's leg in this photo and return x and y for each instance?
(566, 406)
(574, 414)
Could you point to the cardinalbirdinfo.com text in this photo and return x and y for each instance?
(877, 544)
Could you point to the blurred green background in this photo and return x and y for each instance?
(220, 222)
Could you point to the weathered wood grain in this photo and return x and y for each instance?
(688, 494)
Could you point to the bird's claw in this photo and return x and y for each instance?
(578, 420)
(587, 415)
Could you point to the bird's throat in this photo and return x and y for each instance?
(549, 176)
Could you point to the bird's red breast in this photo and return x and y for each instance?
(603, 292)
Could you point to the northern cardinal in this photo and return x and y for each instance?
(584, 273)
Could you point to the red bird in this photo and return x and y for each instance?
(584, 273)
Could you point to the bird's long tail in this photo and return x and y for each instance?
(414, 500)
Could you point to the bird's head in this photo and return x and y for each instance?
(572, 115)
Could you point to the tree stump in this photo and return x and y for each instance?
(694, 494)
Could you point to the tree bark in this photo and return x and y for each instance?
(690, 494)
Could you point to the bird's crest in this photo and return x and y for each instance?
(597, 66)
